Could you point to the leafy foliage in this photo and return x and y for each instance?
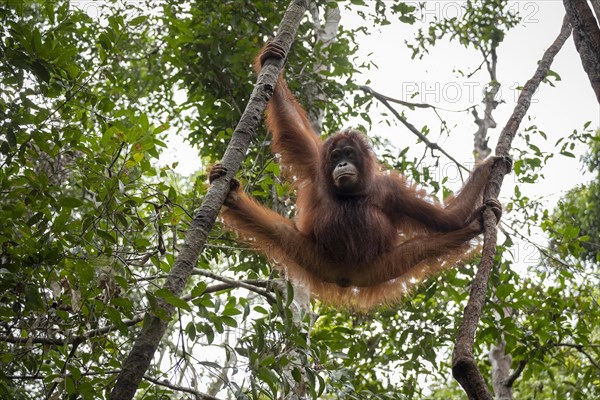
(575, 226)
(91, 220)
(482, 25)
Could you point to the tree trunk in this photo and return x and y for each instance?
(586, 35)
(464, 365)
(501, 363)
(155, 322)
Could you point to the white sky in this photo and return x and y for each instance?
(556, 110)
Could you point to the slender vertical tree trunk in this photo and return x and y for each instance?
(586, 35)
(155, 322)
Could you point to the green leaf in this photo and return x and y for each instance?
(269, 377)
(191, 331)
(173, 300)
(11, 138)
(105, 41)
(199, 289)
(570, 232)
(33, 299)
(40, 71)
(269, 360)
(231, 311)
(261, 310)
(567, 154)
(138, 20)
(503, 290)
(229, 321)
(122, 302)
(70, 202)
(115, 317)
(553, 74)
(85, 272)
(108, 236)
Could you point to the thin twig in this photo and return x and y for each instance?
(579, 348)
(433, 146)
(515, 375)
(198, 395)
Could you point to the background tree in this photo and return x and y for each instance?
(92, 222)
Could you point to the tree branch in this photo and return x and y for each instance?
(74, 339)
(229, 283)
(596, 6)
(197, 395)
(140, 356)
(579, 348)
(586, 36)
(464, 366)
(433, 146)
(515, 375)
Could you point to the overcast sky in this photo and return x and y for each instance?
(556, 111)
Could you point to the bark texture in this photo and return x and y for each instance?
(586, 35)
(464, 365)
(138, 360)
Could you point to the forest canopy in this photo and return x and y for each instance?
(117, 279)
